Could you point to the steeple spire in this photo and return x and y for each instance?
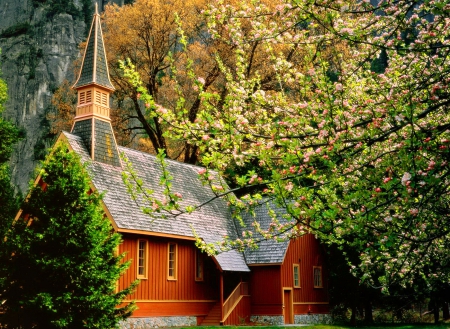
(92, 121)
(94, 68)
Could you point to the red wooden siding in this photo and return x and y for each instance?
(190, 296)
(266, 290)
(311, 308)
(307, 253)
(241, 313)
(181, 308)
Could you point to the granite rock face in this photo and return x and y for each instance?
(39, 45)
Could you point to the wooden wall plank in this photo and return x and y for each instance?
(307, 252)
(157, 286)
(241, 313)
(265, 284)
(176, 308)
(265, 290)
(311, 308)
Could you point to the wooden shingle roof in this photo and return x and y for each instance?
(211, 222)
(268, 251)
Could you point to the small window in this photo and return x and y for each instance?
(142, 259)
(172, 262)
(198, 265)
(317, 270)
(296, 276)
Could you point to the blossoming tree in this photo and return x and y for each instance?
(358, 155)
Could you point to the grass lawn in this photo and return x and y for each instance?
(399, 326)
(383, 326)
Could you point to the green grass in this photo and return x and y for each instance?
(382, 326)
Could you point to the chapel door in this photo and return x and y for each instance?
(288, 311)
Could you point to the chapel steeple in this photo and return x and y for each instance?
(92, 119)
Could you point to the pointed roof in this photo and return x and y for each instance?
(94, 69)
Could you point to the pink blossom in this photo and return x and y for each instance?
(405, 179)
(289, 186)
(202, 171)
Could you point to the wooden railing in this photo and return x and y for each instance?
(233, 299)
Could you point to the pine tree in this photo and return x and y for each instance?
(9, 134)
(63, 263)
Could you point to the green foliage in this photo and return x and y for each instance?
(8, 203)
(15, 30)
(62, 265)
(8, 131)
(87, 10)
(356, 141)
(380, 63)
(9, 134)
(55, 7)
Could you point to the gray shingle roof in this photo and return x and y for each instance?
(211, 222)
(269, 251)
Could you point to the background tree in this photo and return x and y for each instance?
(146, 32)
(175, 56)
(9, 134)
(63, 107)
(62, 266)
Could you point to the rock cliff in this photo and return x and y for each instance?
(39, 42)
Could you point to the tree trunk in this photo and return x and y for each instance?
(445, 311)
(368, 316)
(435, 311)
(353, 318)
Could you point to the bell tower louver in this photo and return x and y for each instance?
(92, 120)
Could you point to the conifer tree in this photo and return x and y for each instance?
(8, 202)
(63, 266)
(8, 136)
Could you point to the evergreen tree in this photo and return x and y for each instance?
(63, 266)
(8, 136)
(8, 202)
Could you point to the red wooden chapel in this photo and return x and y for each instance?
(179, 285)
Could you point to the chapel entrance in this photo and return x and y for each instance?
(288, 311)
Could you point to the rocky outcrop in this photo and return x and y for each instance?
(39, 42)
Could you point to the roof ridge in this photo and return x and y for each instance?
(167, 159)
